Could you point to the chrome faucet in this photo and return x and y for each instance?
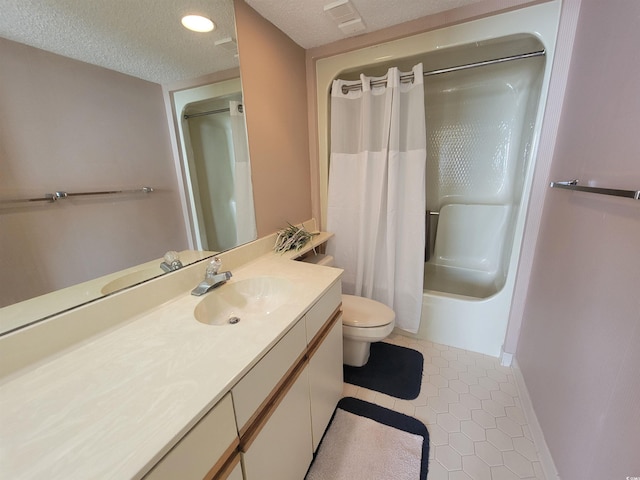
(212, 278)
(171, 262)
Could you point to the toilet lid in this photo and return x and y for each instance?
(364, 312)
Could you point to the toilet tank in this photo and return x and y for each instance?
(319, 259)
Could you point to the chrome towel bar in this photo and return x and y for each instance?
(52, 197)
(573, 185)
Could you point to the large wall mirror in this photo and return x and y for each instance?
(86, 94)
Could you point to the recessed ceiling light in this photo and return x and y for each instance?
(198, 23)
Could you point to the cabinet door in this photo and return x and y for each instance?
(325, 381)
(259, 382)
(282, 450)
(204, 449)
(236, 473)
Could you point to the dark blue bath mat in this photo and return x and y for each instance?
(359, 445)
(391, 369)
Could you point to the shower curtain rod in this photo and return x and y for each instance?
(211, 112)
(409, 76)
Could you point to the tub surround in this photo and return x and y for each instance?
(114, 403)
(485, 125)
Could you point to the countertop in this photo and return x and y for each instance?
(112, 406)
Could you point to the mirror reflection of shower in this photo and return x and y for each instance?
(217, 169)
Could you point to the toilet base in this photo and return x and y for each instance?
(355, 353)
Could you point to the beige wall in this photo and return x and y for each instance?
(68, 125)
(274, 88)
(579, 343)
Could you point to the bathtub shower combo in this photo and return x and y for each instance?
(479, 156)
(482, 129)
(215, 166)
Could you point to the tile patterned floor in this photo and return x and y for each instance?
(470, 405)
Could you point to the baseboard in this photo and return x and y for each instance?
(506, 359)
(546, 461)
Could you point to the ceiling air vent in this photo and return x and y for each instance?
(352, 26)
(345, 15)
(228, 44)
(341, 11)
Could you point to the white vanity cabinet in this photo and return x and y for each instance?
(274, 417)
(284, 403)
(209, 401)
(207, 451)
(324, 336)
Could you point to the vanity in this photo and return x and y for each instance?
(177, 390)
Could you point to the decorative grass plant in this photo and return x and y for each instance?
(292, 238)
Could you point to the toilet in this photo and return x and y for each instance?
(363, 321)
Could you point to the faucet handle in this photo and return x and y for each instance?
(213, 267)
(171, 256)
(172, 259)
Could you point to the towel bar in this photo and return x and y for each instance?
(52, 197)
(573, 185)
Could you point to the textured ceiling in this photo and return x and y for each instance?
(309, 26)
(144, 38)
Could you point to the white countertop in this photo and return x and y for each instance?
(113, 406)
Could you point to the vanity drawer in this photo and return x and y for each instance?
(322, 310)
(251, 391)
(204, 450)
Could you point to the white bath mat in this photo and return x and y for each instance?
(368, 442)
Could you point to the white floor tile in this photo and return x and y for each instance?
(437, 471)
(499, 439)
(449, 458)
(476, 468)
(503, 473)
(489, 454)
(518, 464)
(461, 443)
(472, 430)
(470, 405)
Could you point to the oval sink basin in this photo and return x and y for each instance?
(130, 279)
(252, 298)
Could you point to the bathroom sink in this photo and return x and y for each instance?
(130, 279)
(250, 299)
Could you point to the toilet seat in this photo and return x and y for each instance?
(363, 312)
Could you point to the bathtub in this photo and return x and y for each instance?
(483, 125)
(481, 131)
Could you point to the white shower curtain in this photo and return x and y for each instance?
(243, 194)
(376, 203)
